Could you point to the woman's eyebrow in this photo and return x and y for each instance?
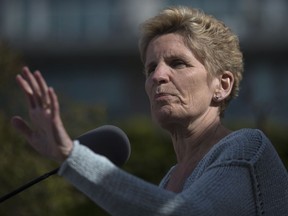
(183, 57)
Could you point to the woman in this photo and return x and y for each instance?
(193, 67)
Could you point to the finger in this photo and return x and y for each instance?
(24, 85)
(22, 127)
(54, 103)
(43, 88)
(33, 85)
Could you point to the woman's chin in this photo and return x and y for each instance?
(164, 117)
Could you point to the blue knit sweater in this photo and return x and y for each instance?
(241, 175)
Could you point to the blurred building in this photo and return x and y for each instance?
(88, 49)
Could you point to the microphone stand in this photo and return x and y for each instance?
(27, 185)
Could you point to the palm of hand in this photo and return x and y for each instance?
(46, 134)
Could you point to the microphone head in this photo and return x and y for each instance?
(109, 141)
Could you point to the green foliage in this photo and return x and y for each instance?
(279, 138)
(10, 65)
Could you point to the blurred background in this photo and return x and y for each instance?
(87, 50)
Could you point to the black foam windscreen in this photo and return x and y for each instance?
(109, 141)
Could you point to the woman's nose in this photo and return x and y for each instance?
(161, 74)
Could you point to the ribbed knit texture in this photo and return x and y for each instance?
(240, 175)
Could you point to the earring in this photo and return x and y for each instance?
(216, 98)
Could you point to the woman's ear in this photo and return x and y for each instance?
(226, 81)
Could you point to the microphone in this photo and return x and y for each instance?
(108, 140)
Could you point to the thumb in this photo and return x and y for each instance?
(22, 126)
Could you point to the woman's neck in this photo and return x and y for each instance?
(192, 143)
(190, 147)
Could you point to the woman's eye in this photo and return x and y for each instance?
(150, 70)
(178, 64)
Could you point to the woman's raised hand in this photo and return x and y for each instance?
(46, 133)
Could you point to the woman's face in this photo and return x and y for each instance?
(177, 84)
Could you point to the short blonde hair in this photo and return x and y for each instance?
(211, 41)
